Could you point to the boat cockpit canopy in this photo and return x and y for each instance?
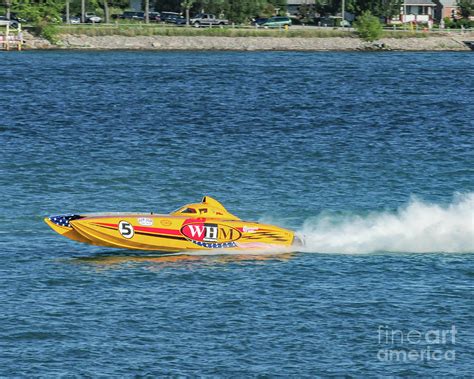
(208, 208)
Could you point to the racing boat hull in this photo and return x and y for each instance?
(203, 226)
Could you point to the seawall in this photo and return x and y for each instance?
(115, 42)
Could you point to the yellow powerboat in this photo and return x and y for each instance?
(202, 226)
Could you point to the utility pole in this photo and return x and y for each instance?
(343, 11)
(67, 12)
(83, 11)
(8, 5)
(147, 9)
(404, 19)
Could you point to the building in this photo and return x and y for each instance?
(446, 8)
(294, 7)
(416, 11)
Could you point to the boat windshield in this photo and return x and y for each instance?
(188, 210)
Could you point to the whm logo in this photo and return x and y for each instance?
(206, 232)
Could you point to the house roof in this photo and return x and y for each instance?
(419, 2)
(448, 3)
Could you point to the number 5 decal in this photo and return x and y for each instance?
(126, 229)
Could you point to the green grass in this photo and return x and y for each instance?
(405, 34)
(140, 29)
(161, 30)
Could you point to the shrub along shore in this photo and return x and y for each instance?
(117, 37)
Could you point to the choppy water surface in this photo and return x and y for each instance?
(368, 155)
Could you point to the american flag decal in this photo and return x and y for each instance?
(63, 220)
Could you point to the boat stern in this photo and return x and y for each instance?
(298, 242)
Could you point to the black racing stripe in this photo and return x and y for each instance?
(275, 238)
(162, 236)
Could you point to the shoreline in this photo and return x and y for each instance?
(207, 43)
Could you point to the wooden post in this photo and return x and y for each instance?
(7, 37)
(20, 37)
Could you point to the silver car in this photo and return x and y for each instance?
(92, 18)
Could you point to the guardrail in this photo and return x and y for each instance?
(140, 24)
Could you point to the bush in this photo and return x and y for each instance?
(449, 23)
(47, 31)
(463, 22)
(368, 27)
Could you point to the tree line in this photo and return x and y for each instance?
(238, 11)
(235, 10)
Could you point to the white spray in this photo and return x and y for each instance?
(418, 227)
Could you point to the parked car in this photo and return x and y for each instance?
(277, 22)
(206, 19)
(72, 19)
(178, 20)
(169, 17)
(181, 20)
(14, 16)
(330, 21)
(259, 21)
(92, 18)
(11, 22)
(132, 15)
(154, 16)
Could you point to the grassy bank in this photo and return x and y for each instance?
(134, 30)
(163, 30)
(158, 30)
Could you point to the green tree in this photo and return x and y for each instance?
(36, 11)
(8, 5)
(107, 12)
(242, 11)
(216, 7)
(167, 5)
(239, 11)
(280, 5)
(368, 27)
(466, 8)
(187, 4)
(307, 12)
(385, 8)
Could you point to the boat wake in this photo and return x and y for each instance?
(417, 227)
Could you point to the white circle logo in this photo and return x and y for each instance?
(126, 229)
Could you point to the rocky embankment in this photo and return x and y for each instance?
(447, 42)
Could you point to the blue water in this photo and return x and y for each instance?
(369, 156)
